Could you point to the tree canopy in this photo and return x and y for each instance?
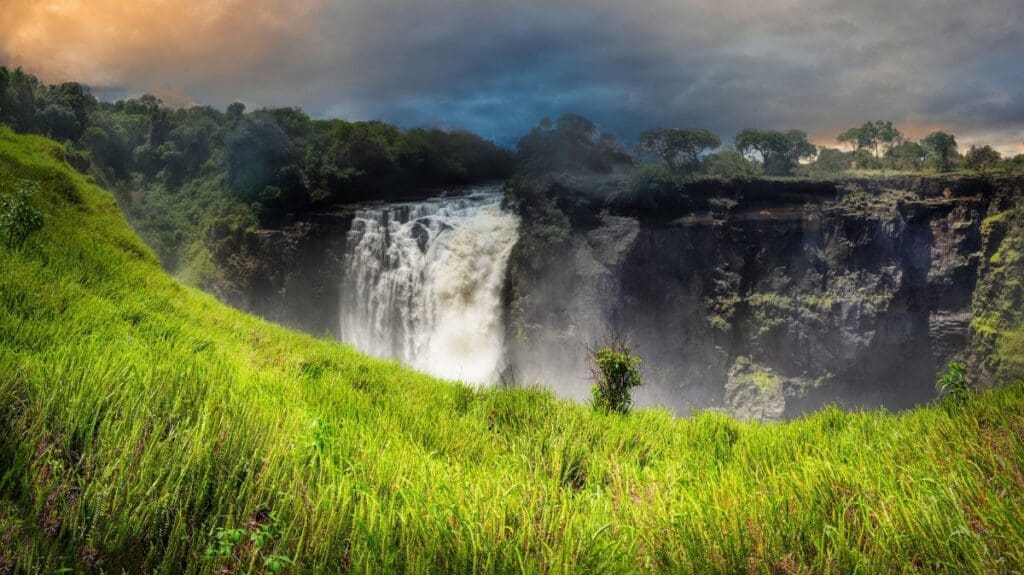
(780, 152)
(941, 146)
(679, 148)
(981, 158)
(879, 137)
(570, 144)
(199, 172)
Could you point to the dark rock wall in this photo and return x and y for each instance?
(289, 276)
(763, 298)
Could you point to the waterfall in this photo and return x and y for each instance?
(422, 283)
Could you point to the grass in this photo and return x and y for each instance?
(145, 427)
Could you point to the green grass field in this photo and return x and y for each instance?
(146, 427)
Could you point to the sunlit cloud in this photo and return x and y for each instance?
(149, 44)
(498, 66)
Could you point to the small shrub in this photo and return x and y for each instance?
(952, 385)
(615, 370)
(257, 538)
(276, 563)
(224, 542)
(656, 179)
(18, 218)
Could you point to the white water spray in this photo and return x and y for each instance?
(422, 283)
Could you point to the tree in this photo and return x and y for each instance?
(18, 106)
(863, 159)
(255, 151)
(235, 111)
(58, 121)
(615, 370)
(853, 138)
(887, 135)
(879, 136)
(941, 146)
(831, 161)
(679, 148)
(728, 163)
(981, 159)
(79, 100)
(780, 152)
(5, 83)
(570, 144)
(907, 155)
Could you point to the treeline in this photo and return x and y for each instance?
(195, 181)
(663, 157)
(182, 173)
(872, 146)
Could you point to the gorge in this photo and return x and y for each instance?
(762, 298)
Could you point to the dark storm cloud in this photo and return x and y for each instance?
(498, 66)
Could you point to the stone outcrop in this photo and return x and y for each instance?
(762, 298)
(289, 275)
(848, 291)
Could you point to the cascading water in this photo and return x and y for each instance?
(422, 283)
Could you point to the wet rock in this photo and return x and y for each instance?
(753, 392)
(861, 287)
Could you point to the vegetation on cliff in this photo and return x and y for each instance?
(997, 325)
(197, 182)
(192, 180)
(146, 427)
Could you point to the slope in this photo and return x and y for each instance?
(146, 427)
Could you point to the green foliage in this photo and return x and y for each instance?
(880, 137)
(728, 163)
(952, 384)
(234, 111)
(679, 148)
(615, 370)
(907, 155)
(140, 415)
(831, 161)
(655, 180)
(224, 542)
(177, 171)
(260, 157)
(780, 152)
(941, 148)
(880, 146)
(250, 544)
(997, 324)
(276, 563)
(981, 158)
(573, 144)
(18, 217)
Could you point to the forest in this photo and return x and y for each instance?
(193, 180)
(190, 174)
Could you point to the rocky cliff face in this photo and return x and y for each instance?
(288, 276)
(763, 298)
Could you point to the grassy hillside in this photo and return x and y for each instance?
(145, 427)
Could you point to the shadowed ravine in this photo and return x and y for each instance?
(766, 299)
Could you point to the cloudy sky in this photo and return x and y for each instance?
(497, 66)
